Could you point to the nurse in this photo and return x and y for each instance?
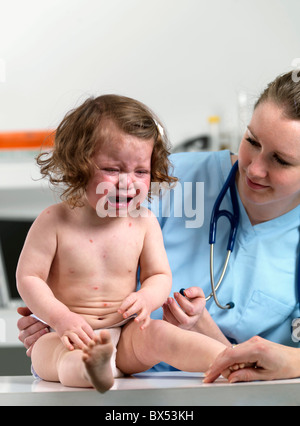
(261, 276)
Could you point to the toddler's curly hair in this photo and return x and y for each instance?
(77, 139)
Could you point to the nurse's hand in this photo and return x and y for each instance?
(187, 311)
(270, 361)
(190, 313)
(30, 329)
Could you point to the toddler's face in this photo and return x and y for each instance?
(122, 173)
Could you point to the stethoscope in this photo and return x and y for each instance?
(234, 222)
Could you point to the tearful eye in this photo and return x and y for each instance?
(111, 170)
(142, 172)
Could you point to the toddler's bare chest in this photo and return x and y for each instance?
(98, 251)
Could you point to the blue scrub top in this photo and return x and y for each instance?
(260, 277)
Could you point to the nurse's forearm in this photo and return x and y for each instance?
(206, 325)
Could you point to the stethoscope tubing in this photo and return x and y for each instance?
(233, 219)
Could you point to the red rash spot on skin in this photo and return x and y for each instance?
(91, 241)
(96, 288)
(105, 304)
(130, 224)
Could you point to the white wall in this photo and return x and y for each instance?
(187, 59)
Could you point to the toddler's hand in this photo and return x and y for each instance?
(136, 303)
(74, 331)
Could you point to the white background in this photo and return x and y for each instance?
(186, 59)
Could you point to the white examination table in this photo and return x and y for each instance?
(156, 389)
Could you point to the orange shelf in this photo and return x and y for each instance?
(26, 139)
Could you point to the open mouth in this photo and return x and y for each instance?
(119, 201)
(113, 204)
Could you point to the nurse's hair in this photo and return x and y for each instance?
(285, 92)
(78, 137)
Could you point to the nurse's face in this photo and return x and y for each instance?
(269, 162)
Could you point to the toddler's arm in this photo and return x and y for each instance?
(32, 272)
(155, 277)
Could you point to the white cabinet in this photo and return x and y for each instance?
(22, 193)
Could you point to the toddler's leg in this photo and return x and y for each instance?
(139, 350)
(53, 362)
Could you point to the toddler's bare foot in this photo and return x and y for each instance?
(96, 358)
(235, 367)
